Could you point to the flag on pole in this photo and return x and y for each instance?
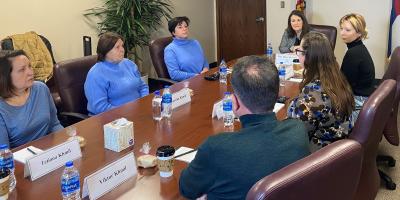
(394, 27)
(301, 5)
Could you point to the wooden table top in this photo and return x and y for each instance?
(190, 125)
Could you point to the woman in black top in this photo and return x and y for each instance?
(357, 65)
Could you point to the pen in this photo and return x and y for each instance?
(185, 153)
(30, 150)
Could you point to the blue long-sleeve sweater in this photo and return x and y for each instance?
(109, 85)
(31, 121)
(184, 59)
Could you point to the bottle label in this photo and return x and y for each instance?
(167, 98)
(69, 186)
(7, 162)
(227, 106)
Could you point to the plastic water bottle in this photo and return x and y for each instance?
(70, 188)
(282, 73)
(269, 50)
(227, 107)
(223, 72)
(156, 105)
(7, 161)
(166, 103)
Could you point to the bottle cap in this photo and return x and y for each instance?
(3, 146)
(166, 86)
(157, 92)
(227, 93)
(69, 164)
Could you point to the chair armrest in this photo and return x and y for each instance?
(69, 118)
(159, 83)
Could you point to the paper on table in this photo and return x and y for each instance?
(185, 158)
(278, 106)
(297, 80)
(23, 154)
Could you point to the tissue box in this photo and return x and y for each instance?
(118, 135)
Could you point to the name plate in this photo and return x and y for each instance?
(286, 58)
(181, 97)
(109, 177)
(51, 159)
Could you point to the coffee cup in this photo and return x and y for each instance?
(165, 160)
(4, 183)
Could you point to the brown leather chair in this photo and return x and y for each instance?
(329, 31)
(330, 173)
(391, 130)
(70, 76)
(156, 48)
(368, 132)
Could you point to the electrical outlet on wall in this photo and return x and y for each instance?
(282, 4)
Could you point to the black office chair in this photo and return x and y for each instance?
(329, 31)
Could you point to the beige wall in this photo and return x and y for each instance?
(376, 14)
(60, 21)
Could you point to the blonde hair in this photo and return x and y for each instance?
(358, 23)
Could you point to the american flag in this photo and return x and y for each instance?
(394, 28)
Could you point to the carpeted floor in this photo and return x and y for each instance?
(394, 172)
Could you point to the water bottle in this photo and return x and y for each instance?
(7, 161)
(156, 105)
(70, 188)
(166, 103)
(227, 107)
(282, 73)
(269, 50)
(223, 72)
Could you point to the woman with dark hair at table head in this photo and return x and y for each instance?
(357, 64)
(326, 101)
(297, 27)
(27, 110)
(113, 80)
(184, 57)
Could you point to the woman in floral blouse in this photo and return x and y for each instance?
(326, 101)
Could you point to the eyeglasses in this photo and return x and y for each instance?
(300, 52)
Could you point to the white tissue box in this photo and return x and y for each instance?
(118, 135)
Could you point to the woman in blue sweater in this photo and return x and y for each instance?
(113, 80)
(184, 57)
(27, 110)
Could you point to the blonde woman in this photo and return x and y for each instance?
(357, 64)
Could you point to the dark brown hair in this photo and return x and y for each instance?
(175, 22)
(106, 43)
(320, 63)
(6, 86)
(304, 30)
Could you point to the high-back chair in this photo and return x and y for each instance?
(156, 48)
(70, 76)
(368, 132)
(329, 31)
(330, 173)
(391, 130)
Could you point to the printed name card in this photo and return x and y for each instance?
(218, 110)
(109, 177)
(286, 58)
(51, 159)
(181, 97)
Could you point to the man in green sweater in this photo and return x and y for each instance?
(227, 165)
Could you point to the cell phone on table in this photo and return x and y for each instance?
(282, 99)
(212, 77)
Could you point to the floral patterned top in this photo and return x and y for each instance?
(313, 106)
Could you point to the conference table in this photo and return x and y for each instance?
(189, 126)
